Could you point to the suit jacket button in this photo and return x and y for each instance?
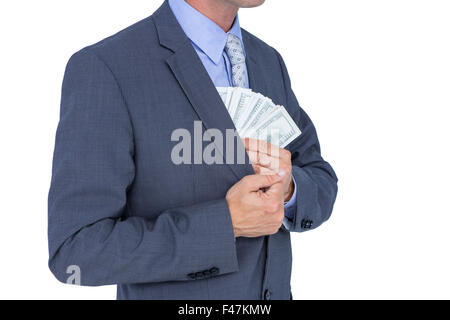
(267, 295)
(307, 224)
(303, 224)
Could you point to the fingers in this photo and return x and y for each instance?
(276, 190)
(264, 164)
(256, 182)
(273, 199)
(264, 160)
(266, 148)
(260, 146)
(263, 170)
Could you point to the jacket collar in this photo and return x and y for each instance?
(203, 32)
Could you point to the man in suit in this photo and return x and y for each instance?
(122, 212)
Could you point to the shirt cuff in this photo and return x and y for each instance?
(287, 224)
(293, 200)
(290, 207)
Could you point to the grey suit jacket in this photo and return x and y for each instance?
(123, 213)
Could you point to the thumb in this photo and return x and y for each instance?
(256, 182)
(276, 190)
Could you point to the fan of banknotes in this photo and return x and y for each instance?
(256, 116)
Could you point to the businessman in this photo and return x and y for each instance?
(122, 212)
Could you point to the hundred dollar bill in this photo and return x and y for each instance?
(280, 123)
(240, 102)
(226, 94)
(236, 100)
(223, 91)
(254, 106)
(267, 106)
(231, 92)
(256, 116)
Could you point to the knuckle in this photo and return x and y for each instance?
(286, 153)
(268, 210)
(281, 206)
(287, 165)
(278, 193)
(274, 229)
(269, 178)
(281, 217)
(273, 206)
(245, 181)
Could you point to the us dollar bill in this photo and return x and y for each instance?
(257, 116)
(280, 124)
(240, 102)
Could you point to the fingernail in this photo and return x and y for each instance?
(281, 173)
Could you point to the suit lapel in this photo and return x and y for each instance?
(255, 80)
(195, 81)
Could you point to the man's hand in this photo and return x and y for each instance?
(268, 159)
(255, 212)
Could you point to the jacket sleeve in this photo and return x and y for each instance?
(316, 181)
(93, 168)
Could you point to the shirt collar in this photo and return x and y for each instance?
(202, 31)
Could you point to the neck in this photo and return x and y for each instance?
(220, 12)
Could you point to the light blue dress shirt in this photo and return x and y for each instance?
(209, 40)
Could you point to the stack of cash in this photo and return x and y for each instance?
(256, 116)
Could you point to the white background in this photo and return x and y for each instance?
(373, 75)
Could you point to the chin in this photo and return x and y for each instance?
(247, 3)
